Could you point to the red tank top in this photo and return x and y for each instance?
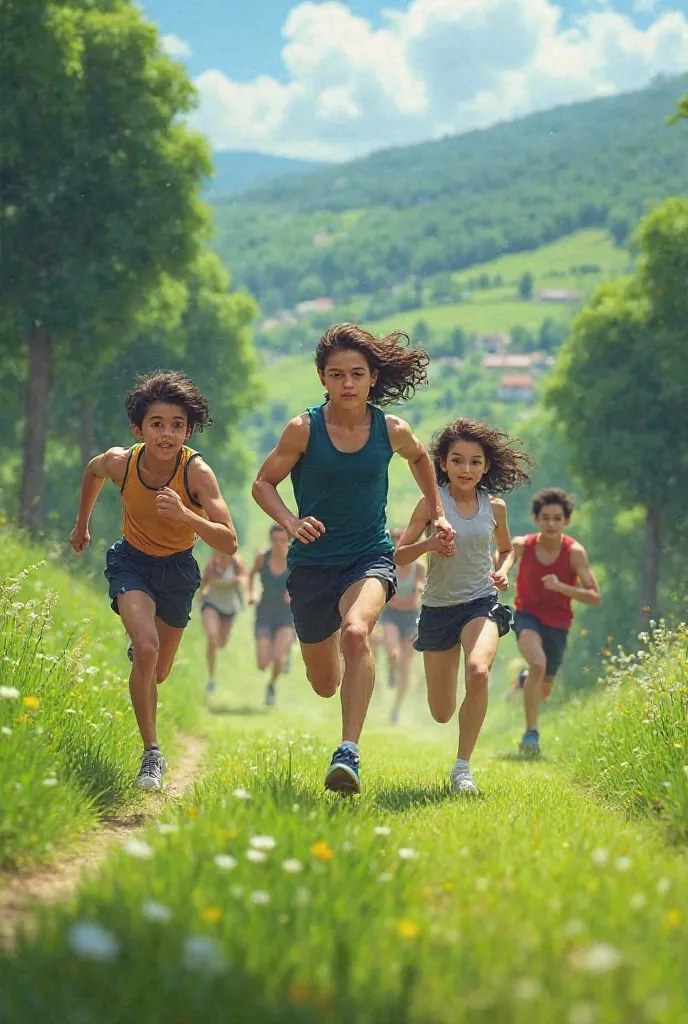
(547, 605)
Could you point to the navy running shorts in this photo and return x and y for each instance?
(224, 616)
(405, 619)
(316, 591)
(553, 639)
(169, 580)
(439, 629)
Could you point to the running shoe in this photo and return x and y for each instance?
(530, 744)
(392, 677)
(394, 715)
(462, 782)
(130, 652)
(522, 676)
(270, 694)
(342, 775)
(210, 687)
(153, 767)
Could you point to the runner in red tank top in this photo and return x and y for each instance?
(553, 571)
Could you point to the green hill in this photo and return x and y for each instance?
(238, 171)
(447, 205)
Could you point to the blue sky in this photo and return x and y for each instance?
(332, 79)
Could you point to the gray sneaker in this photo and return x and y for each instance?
(153, 767)
(462, 782)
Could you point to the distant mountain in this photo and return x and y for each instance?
(430, 209)
(237, 171)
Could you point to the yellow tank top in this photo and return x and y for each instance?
(142, 527)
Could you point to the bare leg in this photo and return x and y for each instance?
(323, 665)
(264, 654)
(441, 676)
(392, 640)
(281, 644)
(479, 639)
(530, 646)
(137, 611)
(212, 624)
(360, 607)
(403, 674)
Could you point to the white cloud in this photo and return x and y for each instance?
(175, 47)
(439, 66)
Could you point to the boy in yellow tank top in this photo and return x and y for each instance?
(170, 496)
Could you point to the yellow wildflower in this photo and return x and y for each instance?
(672, 919)
(322, 851)
(31, 702)
(211, 914)
(407, 929)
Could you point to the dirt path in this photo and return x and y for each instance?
(18, 893)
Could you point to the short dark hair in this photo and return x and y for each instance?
(400, 370)
(508, 465)
(167, 386)
(554, 496)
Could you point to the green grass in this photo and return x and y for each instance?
(540, 902)
(69, 744)
(480, 314)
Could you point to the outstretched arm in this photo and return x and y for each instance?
(110, 465)
(410, 547)
(405, 443)
(256, 568)
(217, 530)
(275, 469)
(589, 591)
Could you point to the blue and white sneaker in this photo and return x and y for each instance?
(210, 688)
(530, 744)
(342, 775)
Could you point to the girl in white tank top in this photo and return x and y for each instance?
(459, 605)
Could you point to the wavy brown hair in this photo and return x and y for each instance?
(508, 465)
(400, 369)
(554, 496)
(172, 387)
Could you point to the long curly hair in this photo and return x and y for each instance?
(169, 386)
(509, 466)
(401, 370)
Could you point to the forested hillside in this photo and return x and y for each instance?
(446, 205)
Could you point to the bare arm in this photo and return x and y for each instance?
(405, 443)
(589, 591)
(109, 465)
(256, 568)
(505, 552)
(275, 469)
(410, 547)
(217, 530)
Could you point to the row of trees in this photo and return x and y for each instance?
(105, 271)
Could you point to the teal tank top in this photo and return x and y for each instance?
(346, 491)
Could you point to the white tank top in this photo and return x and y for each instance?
(466, 575)
(223, 592)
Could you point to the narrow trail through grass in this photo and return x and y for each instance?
(21, 893)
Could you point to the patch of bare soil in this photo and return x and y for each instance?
(59, 881)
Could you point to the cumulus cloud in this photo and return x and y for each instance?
(439, 66)
(175, 47)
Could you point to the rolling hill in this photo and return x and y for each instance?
(362, 227)
(239, 171)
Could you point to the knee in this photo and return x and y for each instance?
(393, 655)
(146, 650)
(442, 713)
(537, 662)
(214, 640)
(477, 678)
(161, 673)
(263, 661)
(354, 641)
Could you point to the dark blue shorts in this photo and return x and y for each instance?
(439, 629)
(170, 580)
(405, 619)
(553, 639)
(316, 591)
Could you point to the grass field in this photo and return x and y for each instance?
(558, 896)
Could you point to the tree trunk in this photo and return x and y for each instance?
(32, 500)
(651, 561)
(86, 430)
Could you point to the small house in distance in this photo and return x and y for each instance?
(321, 305)
(533, 361)
(558, 295)
(516, 387)
(496, 342)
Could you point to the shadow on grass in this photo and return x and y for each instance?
(405, 796)
(244, 710)
(523, 758)
(104, 781)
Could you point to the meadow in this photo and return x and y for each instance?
(559, 895)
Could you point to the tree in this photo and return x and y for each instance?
(98, 188)
(610, 399)
(525, 286)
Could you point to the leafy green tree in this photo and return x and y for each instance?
(525, 286)
(98, 190)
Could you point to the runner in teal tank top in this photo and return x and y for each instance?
(340, 558)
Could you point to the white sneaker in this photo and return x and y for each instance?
(462, 782)
(153, 767)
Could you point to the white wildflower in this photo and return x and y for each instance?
(92, 942)
(263, 842)
(201, 953)
(260, 897)
(663, 886)
(406, 853)
(382, 830)
(242, 794)
(623, 863)
(8, 693)
(386, 876)
(5, 731)
(256, 856)
(292, 867)
(138, 849)
(597, 958)
(156, 912)
(52, 781)
(638, 901)
(599, 857)
(166, 828)
(527, 989)
(573, 927)
(225, 862)
(582, 1013)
